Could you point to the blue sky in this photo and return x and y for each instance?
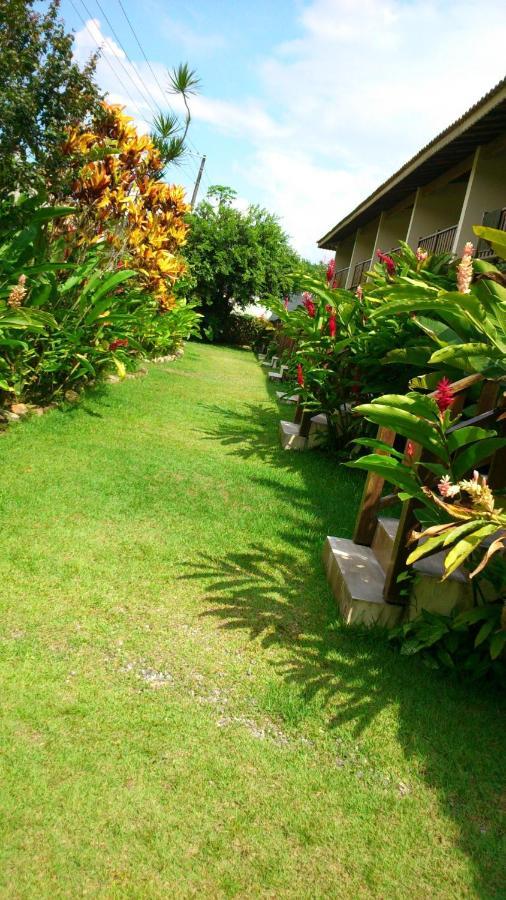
(305, 105)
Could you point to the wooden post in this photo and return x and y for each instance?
(400, 553)
(367, 517)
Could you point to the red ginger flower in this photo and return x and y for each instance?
(309, 304)
(444, 395)
(331, 269)
(300, 375)
(332, 321)
(119, 342)
(286, 301)
(387, 260)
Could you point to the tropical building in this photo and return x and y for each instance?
(458, 180)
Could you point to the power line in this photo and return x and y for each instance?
(141, 48)
(147, 98)
(107, 60)
(191, 162)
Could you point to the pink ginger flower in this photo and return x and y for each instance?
(410, 449)
(332, 325)
(421, 255)
(359, 293)
(446, 488)
(286, 301)
(465, 270)
(387, 261)
(300, 375)
(444, 395)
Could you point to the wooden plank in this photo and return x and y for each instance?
(488, 397)
(497, 471)
(367, 517)
(400, 553)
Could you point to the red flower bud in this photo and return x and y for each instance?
(387, 260)
(300, 375)
(444, 395)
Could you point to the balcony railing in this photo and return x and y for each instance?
(341, 276)
(439, 241)
(359, 271)
(496, 219)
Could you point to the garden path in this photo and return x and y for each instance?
(182, 713)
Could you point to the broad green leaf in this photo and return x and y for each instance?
(425, 547)
(472, 456)
(484, 632)
(459, 553)
(391, 470)
(405, 423)
(412, 402)
(112, 281)
(494, 236)
(460, 436)
(375, 444)
(497, 644)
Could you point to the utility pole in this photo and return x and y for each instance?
(197, 183)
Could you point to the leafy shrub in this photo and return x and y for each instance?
(471, 643)
(243, 330)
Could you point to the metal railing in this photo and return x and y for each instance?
(484, 250)
(439, 241)
(359, 271)
(340, 277)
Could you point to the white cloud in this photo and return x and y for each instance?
(192, 40)
(338, 109)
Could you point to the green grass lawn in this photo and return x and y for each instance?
(182, 713)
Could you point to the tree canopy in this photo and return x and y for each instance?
(235, 257)
(42, 91)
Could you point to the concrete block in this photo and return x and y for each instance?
(289, 434)
(357, 582)
(284, 398)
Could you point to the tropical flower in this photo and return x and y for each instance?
(332, 320)
(465, 270)
(421, 255)
(331, 269)
(444, 395)
(286, 301)
(446, 488)
(119, 342)
(359, 293)
(308, 301)
(17, 293)
(387, 261)
(300, 375)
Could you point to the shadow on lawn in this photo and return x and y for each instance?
(453, 732)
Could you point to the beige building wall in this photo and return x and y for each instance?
(486, 191)
(343, 253)
(363, 246)
(435, 208)
(393, 227)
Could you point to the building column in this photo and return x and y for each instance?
(486, 191)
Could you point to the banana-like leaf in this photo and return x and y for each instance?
(459, 437)
(494, 236)
(406, 423)
(472, 456)
(460, 551)
(390, 469)
(425, 547)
